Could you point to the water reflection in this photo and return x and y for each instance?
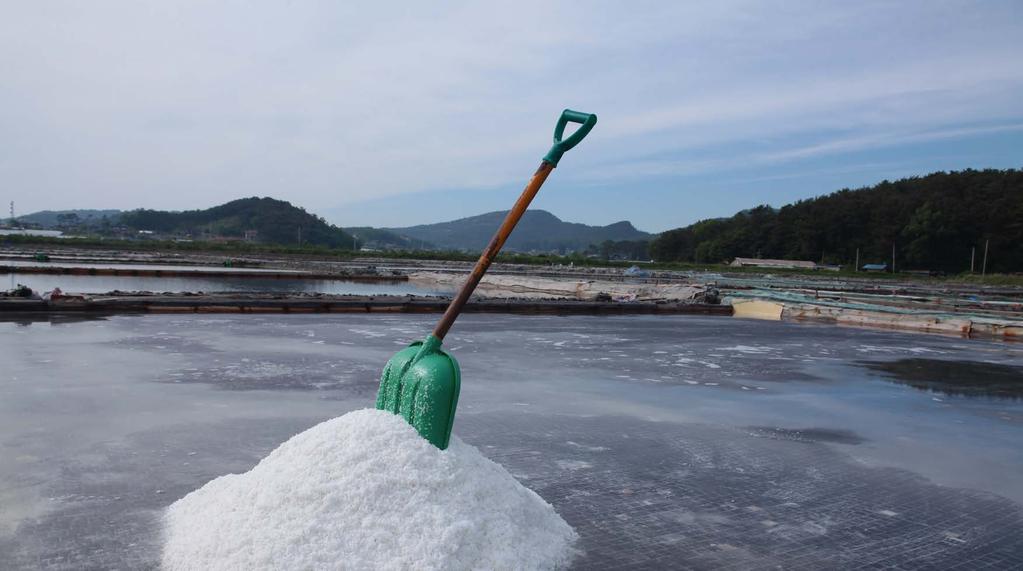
(25, 319)
(957, 378)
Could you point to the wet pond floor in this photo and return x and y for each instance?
(667, 442)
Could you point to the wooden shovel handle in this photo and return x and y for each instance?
(492, 249)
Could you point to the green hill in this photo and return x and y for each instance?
(538, 230)
(65, 218)
(274, 221)
(933, 221)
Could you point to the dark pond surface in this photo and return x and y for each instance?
(956, 378)
(667, 442)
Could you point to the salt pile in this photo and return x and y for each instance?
(365, 491)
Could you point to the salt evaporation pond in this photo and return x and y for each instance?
(104, 284)
(665, 442)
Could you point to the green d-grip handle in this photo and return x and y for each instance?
(587, 120)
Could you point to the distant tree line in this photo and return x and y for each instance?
(933, 222)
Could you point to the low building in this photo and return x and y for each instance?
(781, 264)
(875, 267)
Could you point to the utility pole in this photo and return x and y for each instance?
(893, 257)
(973, 257)
(355, 243)
(856, 268)
(12, 213)
(299, 235)
(983, 270)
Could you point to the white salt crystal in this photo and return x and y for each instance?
(365, 491)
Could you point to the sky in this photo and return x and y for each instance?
(392, 114)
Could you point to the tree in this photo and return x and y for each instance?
(925, 236)
(68, 220)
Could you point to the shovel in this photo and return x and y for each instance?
(421, 382)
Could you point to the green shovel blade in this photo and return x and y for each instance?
(421, 384)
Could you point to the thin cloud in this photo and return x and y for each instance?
(881, 140)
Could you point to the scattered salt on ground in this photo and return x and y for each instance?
(365, 491)
(531, 287)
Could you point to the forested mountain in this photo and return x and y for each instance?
(275, 222)
(933, 221)
(538, 230)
